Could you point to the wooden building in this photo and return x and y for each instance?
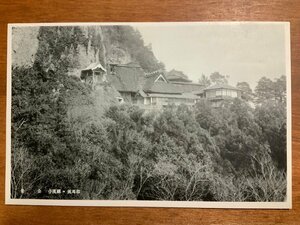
(160, 91)
(219, 92)
(154, 90)
(93, 74)
(150, 90)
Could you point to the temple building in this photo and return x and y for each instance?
(150, 90)
(154, 90)
(93, 74)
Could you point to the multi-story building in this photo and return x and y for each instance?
(155, 90)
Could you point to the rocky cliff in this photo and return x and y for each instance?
(74, 48)
(24, 46)
(66, 50)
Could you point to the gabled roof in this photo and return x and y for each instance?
(94, 66)
(221, 86)
(149, 80)
(131, 78)
(126, 77)
(152, 84)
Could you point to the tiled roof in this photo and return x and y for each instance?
(150, 85)
(131, 78)
(163, 87)
(171, 87)
(148, 81)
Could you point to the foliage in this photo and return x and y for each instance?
(204, 80)
(271, 117)
(131, 40)
(217, 78)
(267, 89)
(247, 93)
(201, 153)
(55, 46)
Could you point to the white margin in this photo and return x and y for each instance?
(289, 113)
(8, 117)
(137, 203)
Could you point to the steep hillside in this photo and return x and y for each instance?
(66, 50)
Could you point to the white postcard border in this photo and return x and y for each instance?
(287, 204)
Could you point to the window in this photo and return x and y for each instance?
(134, 98)
(234, 94)
(219, 93)
(153, 101)
(112, 69)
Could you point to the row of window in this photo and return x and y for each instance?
(222, 92)
(162, 101)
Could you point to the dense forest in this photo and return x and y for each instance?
(62, 139)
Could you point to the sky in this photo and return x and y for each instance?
(243, 51)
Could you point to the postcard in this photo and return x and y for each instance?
(165, 114)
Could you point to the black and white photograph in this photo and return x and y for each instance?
(165, 114)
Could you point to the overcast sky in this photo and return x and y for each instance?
(245, 52)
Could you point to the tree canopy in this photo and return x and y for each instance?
(247, 93)
(267, 89)
(204, 80)
(217, 78)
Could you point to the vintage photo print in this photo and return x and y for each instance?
(188, 114)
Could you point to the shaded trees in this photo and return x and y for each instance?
(204, 80)
(270, 114)
(131, 40)
(247, 93)
(267, 89)
(217, 78)
(181, 153)
(271, 117)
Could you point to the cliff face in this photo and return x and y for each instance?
(67, 50)
(96, 47)
(74, 48)
(24, 46)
